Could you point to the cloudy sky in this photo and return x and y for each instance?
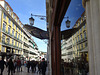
(24, 8)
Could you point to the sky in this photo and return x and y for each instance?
(24, 8)
(74, 12)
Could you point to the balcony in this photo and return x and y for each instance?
(69, 53)
(6, 44)
(69, 47)
(3, 42)
(25, 44)
(79, 49)
(82, 40)
(10, 35)
(64, 54)
(10, 45)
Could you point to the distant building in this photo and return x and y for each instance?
(67, 50)
(79, 39)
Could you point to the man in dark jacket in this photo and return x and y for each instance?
(2, 63)
(28, 65)
(43, 66)
(10, 67)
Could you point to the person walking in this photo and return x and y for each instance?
(2, 63)
(10, 67)
(28, 66)
(43, 66)
(18, 65)
(15, 64)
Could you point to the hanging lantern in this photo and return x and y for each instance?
(31, 21)
(68, 22)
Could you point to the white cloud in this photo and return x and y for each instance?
(76, 8)
(79, 5)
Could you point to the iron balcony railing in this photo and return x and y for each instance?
(82, 40)
(10, 35)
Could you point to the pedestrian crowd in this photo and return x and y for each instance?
(77, 67)
(16, 66)
(37, 66)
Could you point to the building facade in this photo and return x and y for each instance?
(79, 39)
(67, 50)
(13, 38)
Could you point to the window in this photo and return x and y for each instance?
(81, 46)
(78, 37)
(13, 32)
(4, 26)
(86, 44)
(81, 30)
(3, 49)
(21, 31)
(13, 24)
(19, 36)
(16, 27)
(18, 44)
(16, 34)
(12, 42)
(9, 28)
(77, 32)
(84, 34)
(14, 16)
(9, 21)
(3, 38)
(10, 12)
(18, 30)
(4, 16)
(7, 8)
(8, 40)
(15, 43)
(78, 46)
(84, 26)
(81, 36)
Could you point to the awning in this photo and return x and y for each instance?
(68, 33)
(39, 33)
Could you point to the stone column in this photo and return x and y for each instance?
(92, 8)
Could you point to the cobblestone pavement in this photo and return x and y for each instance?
(24, 72)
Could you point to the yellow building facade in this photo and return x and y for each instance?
(11, 30)
(13, 38)
(79, 39)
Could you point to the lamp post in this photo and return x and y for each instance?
(68, 22)
(31, 19)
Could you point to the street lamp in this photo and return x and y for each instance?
(31, 20)
(68, 22)
(37, 32)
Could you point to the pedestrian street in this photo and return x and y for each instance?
(24, 72)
